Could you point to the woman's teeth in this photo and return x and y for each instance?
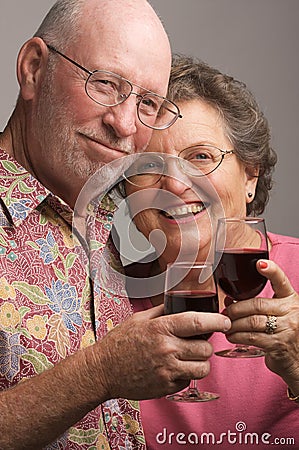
(184, 210)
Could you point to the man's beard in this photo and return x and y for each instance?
(57, 136)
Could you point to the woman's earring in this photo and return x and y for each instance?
(250, 195)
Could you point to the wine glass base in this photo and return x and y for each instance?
(192, 396)
(241, 352)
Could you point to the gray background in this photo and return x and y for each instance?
(254, 40)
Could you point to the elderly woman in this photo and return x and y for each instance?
(259, 397)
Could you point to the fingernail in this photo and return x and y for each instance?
(227, 324)
(263, 264)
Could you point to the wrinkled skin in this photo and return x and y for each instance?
(249, 322)
(157, 361)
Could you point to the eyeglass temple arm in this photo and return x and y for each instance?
(53, 49)
(173, 112)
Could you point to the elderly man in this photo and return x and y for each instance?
(92, 86)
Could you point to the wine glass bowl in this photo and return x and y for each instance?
(190, 286)
(240, 243)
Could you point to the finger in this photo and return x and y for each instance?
(257, 339)
(255, 324)
(257, 306)
(191, 371)
(150, 313)
(267, 342)
(279, 281)
(228, 301)
(194, 350)
(195, 370)
(195, 323)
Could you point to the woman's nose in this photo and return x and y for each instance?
(174, 179)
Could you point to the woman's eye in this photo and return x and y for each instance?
(149, 167)
(201, 156)
(201, 153)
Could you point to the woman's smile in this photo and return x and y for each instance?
(183, 213)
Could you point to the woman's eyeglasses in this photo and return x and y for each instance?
(196, 161)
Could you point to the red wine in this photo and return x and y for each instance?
(199, 301)
(236, 272)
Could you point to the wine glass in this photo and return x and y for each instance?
(190, 286)
(240, 243)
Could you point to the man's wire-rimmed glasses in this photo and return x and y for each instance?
(110, 89)
(195, 161)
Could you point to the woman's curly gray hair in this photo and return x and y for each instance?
(245, 125)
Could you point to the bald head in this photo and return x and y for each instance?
(121, 15)
(134, 36)
(130, 29)
(64, 20)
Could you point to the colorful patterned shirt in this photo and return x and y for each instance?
(48, 309)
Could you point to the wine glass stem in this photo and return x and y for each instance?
(241, 348)
(192, 387)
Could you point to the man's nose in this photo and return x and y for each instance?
(123, 118)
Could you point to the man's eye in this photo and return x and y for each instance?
(104, 83)
(149, 105)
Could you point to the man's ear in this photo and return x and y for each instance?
(31, 66)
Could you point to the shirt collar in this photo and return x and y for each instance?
(20, 192)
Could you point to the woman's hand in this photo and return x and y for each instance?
(252, 319)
